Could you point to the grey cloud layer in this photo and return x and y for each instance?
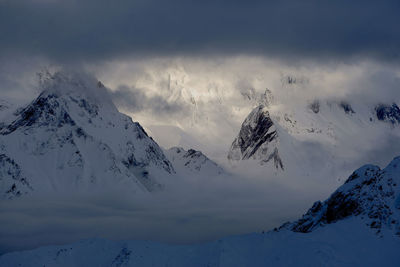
(135, 100)
(96, 30)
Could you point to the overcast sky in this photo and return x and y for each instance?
(182, 62)
(96, 30)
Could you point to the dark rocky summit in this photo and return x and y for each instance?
(257, 139)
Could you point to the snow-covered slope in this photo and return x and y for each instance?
(344, 244)
(72, 138)
(6, 112)
(357, 226)
(187, 163)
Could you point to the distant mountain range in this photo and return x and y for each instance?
(72, 139)
(271, 135)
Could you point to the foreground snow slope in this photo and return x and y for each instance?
(343, 244)
(72, 138)
(341, 231)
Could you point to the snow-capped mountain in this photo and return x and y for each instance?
(257, 139)
(357, 226)
(192, 162)
(333, 129)
(72, 138)
(370, 194)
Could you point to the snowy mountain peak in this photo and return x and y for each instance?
(72, 138)
(192, 161)
(371, 194)
(257, 139)
(76, 85)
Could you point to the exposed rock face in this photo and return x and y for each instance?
(369, 193)
(314, 106)
(388, 113)
(72, 138)
(347, 108)
(193, 161)
(12, 181)
(257, 139)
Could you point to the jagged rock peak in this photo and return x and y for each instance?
(369, 193)
(257, 139)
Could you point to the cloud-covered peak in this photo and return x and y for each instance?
(74, 83)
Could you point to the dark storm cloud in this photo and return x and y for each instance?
(98, 30)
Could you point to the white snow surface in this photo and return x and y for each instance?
(343, 244)
(349, 241)
(192, 162)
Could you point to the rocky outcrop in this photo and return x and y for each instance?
(257, 139)
(371, 194)
(388, 113)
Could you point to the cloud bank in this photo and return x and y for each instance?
(191, 210)
(93, 30)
